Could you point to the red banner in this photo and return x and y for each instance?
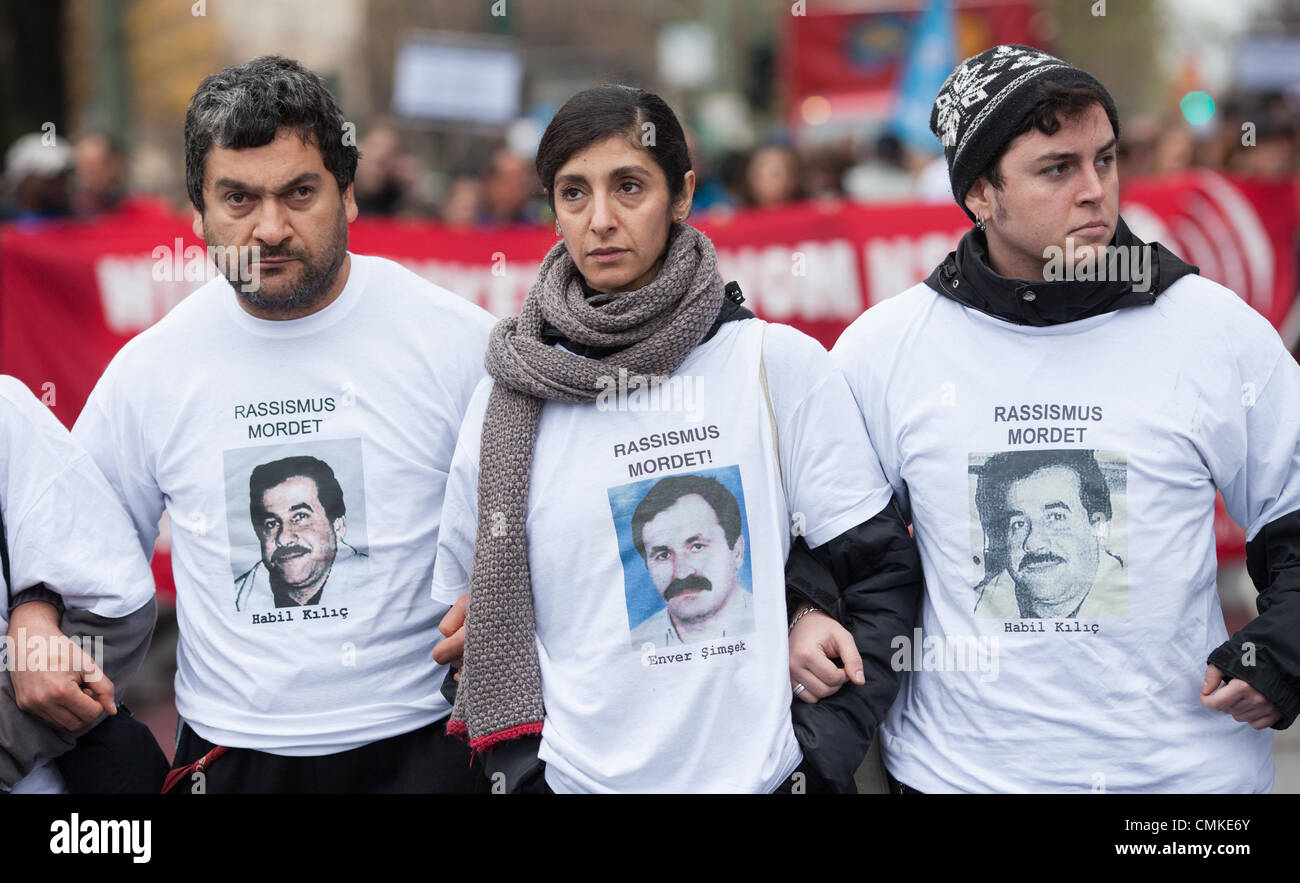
(1240, 232)
(855, 59)
(73, 292)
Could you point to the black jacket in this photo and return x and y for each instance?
(869, 578)
(1266, 652)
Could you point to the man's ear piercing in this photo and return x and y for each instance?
(979, 223)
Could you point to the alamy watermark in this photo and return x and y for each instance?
(78, 836)
(20, 652)
(1110, 263)
(651, 392)
(946, 653)
(194, 263)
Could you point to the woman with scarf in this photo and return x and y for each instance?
(627, 487)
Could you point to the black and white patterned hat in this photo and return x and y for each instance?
(986, 98)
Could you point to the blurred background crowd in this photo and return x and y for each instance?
(94, 91)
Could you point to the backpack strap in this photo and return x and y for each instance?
(771, 413)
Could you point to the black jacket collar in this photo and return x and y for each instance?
(965, 276)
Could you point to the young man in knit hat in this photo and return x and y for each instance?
(1169, 381)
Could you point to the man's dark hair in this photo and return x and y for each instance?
(671, 489)
(1056, 103)
(245, 106)
(594, 114)
(267, 475)
(1001, 471)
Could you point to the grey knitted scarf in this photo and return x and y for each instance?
(657, 326)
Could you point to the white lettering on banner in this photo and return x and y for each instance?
(896, 263)
(834, 278)
(500, 295)
(132, 299)
(829, 290)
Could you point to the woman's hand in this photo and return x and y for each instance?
(815, 642)
(452, 648)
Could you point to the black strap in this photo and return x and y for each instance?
(4, 562)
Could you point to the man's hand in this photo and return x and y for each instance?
(69, 690)
(815, 641)
(450, 650)
(1239, 699)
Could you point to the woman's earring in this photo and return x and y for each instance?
(558, 231)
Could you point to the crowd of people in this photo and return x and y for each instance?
(45, 176)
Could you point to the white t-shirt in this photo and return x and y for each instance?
(1064, 645)
(65, 528)
(287, 452)
(675, 493)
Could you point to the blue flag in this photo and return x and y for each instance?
(931, 56)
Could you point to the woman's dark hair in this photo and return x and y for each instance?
(595, 114)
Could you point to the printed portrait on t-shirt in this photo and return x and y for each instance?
(1049, 534)
(296, 516)
(684, 544)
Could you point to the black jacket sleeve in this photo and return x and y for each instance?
(1266, 652)
(870, 579)
(25, 738)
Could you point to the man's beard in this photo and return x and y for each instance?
(312, 285)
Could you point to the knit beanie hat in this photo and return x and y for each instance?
(985, 99)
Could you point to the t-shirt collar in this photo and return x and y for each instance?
(353, 290)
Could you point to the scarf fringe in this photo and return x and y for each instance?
(460, 729)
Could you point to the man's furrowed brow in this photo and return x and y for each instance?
(300, 507)
(297, 181)
(233, 184)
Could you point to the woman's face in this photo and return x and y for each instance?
(773, 175)
(613, 206)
